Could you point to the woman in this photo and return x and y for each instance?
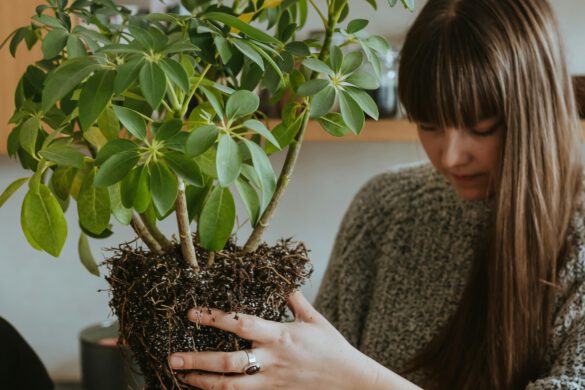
(467, 274)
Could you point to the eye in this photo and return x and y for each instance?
(482, 131)
(427, 127)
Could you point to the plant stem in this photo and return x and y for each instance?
(283, 180)
(187, 247)
(145, 235)
(292, 153)
(323, 19)
(156, 234)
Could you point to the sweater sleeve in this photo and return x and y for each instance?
(345, 291)
(567, 369)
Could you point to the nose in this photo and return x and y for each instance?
(455, 151)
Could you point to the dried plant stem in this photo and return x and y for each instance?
(187, 247)
(156, 234)
(145, 235)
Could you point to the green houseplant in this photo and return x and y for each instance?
(156, 115)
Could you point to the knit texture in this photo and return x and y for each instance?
(399, 267)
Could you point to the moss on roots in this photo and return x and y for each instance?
(151, 295)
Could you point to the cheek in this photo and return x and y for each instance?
(488, 153)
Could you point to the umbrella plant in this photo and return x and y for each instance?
(146, 117)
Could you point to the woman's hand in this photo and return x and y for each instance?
(308, 353)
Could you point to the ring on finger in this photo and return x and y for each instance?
(253, 366)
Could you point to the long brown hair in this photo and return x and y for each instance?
(467, 60)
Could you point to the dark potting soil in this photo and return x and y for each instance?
(151, 294)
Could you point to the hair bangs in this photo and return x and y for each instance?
(449, 78)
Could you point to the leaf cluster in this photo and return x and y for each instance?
(124, 114)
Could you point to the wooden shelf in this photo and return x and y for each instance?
(384, 130)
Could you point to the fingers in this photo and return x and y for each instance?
(224, 362)
(246, 326)
(216, 382)
(302, 309)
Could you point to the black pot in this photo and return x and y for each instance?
(104, 365)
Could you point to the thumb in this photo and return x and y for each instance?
(301, 308)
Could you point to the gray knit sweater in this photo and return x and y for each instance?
(399, 267)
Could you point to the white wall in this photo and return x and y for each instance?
(49, 300)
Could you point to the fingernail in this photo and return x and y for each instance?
(176, 362)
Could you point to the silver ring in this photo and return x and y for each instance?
(253, 366)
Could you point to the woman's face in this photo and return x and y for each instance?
(468, 158)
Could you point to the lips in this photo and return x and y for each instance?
(466, 178)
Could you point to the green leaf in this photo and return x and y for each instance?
(116, 168)
(352, 114)
(121, 213)
(176, 73)
(356, 25)
(363, 80)
(377, 43)
(42, 218)
(132, 121)
(17, 36)
(228, 161)
(62, 180)
(392, 3)
(207, 162)
(246, 49)
(217, 219)
(126, 74)
(333, 124)
(247, 29)
(109, 124)
(95, 96)
(259, 128)
(409, 4)
(241, 103)
(185, 167)
(65, 78)
(200, 140)
(265, 172)
(63, 154)
(93, 206)
(75, 47)
(134, 189)
(180, 46)
(214, 101)
(54, 42)
(322, 102)
(163, 186)
(224, 48)
(351, 62)
(365, 102)
(195, 198)
(141, 36)
(95, 137)
(86, 256)
(318, 66)
(284, 134)
(336, 58)
(28, 135)
(114, 147)
(11, 189)
(250, 198)
(312, 87)
(153, 83)
(168, 129)
(49, 21)
(373, 59)
(299, 49)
